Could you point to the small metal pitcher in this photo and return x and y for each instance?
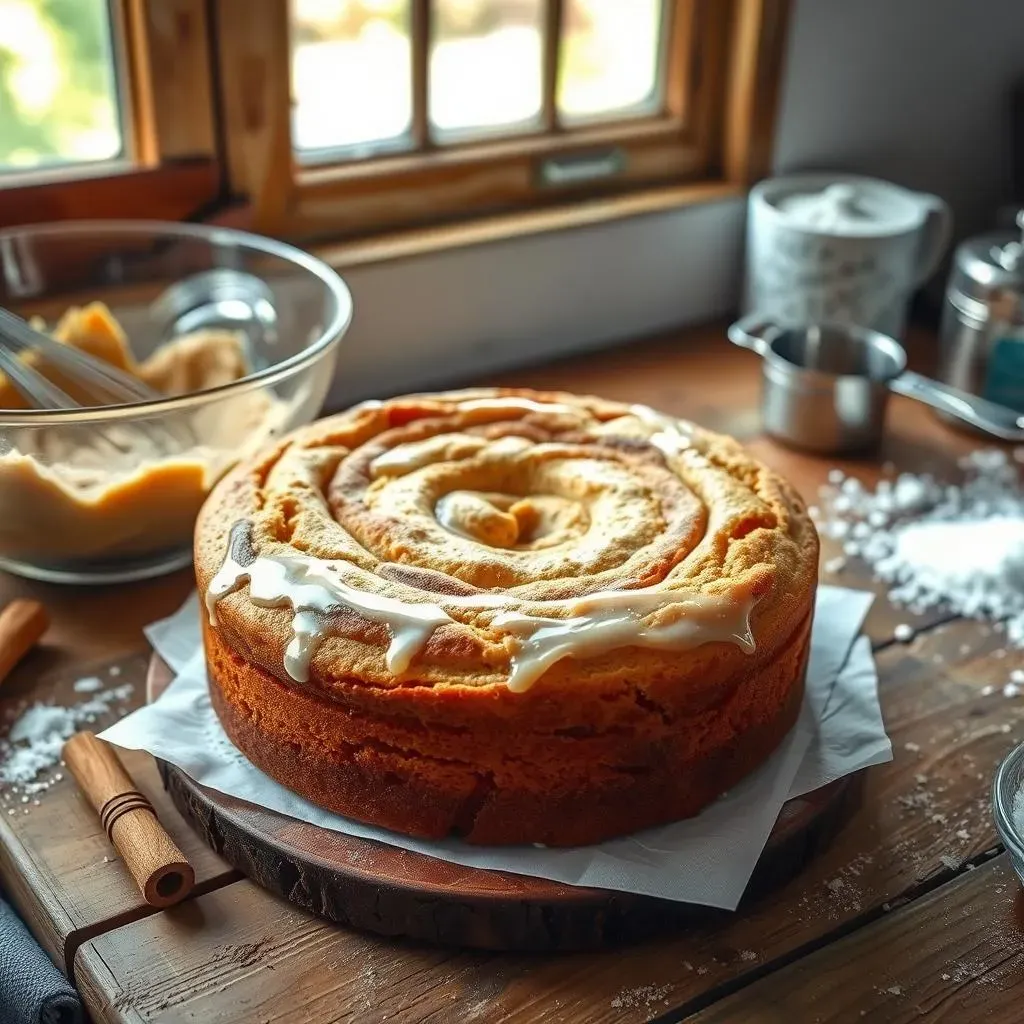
(826, 386)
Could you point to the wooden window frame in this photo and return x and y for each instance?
(171, 169)
(712, 139)
(206, 85)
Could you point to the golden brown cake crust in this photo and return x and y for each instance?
(426, 497)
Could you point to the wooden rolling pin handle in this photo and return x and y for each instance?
(22, 624)
(159, 868)
(111, 811)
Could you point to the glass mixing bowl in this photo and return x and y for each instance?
(1007, 786)
(110, 493)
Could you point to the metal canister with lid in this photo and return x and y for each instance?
(982, 333)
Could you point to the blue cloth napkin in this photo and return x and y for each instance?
(32, 990)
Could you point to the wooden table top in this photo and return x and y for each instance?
(912, 913)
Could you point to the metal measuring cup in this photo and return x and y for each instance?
(826, 386)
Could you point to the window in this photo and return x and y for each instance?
(58, 84)
(485, 70)
(105, 109)
(350, 119)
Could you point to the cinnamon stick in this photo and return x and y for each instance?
(22, 623)
(161, 871)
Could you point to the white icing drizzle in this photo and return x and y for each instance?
(618, 621)
(510, 403)
(315, 591)
(413, 455)
(668, 434)
(404, 458)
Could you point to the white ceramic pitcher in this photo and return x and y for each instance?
(841, 249)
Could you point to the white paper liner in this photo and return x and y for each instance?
(708, 859)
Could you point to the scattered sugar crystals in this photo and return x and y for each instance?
(956, 546)
(37, 736)
(642, 997)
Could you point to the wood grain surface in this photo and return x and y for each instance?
(892, 899)
(921, 820)
(955, 955)
(56, 862)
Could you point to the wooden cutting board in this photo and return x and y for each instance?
(384, 889)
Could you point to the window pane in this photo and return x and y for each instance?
(609, 57)
(58, 92)
(351, 73)
(485, 64)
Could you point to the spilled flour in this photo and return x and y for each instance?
(959, 547)
(37, 736)
(643, 997)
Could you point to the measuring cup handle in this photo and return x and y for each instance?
(750, 332)
(994, 419)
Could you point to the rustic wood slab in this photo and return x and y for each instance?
(390, 891)
(240, 954)
(920, 821)
(955, 955)
(57, 865)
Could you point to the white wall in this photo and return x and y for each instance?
(440, 319)
(912, 90)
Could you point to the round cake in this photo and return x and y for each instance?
(507, 616)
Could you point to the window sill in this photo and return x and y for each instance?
(425, 241)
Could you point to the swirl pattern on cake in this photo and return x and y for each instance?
(507, 615)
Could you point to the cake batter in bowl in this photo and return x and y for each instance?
(239, 333)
